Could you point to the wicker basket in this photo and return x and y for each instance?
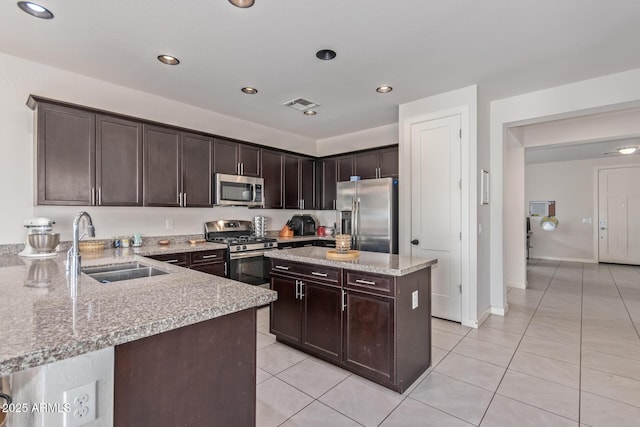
(89, 246)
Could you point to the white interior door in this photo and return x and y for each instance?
(619, 215)
(436, 209)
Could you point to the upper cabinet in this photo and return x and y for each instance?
(328, 177)
(345, 167)
(272, 172)
(380, 163)
(234, 158)
(388, 162)
(299, 182)
(177, 168)
(87, 159)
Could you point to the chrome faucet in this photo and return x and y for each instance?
(73, 255)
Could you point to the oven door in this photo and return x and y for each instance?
(250, 267)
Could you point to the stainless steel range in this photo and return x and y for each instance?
(245, 251)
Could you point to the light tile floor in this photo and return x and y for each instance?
(566, 354)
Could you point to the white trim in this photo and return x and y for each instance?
(596, 204)
(462, 102)
(484, 317)
(516, 285)
(551, 258)
(500, 311)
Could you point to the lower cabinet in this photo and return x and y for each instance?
(211, 261)
(374, 325)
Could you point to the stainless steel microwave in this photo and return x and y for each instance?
(238, 190)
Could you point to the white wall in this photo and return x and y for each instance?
(464, 102)
(608, 93)
(20, 78)
(572, 185)
(368, 138)
(514, 239)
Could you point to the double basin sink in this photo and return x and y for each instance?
(118, 272)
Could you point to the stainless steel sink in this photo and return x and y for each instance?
(118, 272)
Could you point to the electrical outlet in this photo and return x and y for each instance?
(82, 402)
(168, 223)
(414, 300)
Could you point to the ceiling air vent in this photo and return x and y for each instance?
(301, 104)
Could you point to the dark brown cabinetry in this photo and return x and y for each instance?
(388, 162)
(299, 183)
(380, 163)
(87, 159)
(345, 168)
(118, 162)
(272, 172)
(328, 179)
(375, 325)
(210, 261)
(234, 158)
(199, 375)
(177, 168)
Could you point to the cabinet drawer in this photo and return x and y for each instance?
(317, 272)
(206, 257)
(374, 283)
(181, 259)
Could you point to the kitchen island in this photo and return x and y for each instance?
(183, 342)
(371, 316)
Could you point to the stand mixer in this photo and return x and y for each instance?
(41, 241)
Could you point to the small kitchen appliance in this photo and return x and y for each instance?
(303, 225)
(245, 251)
(238, 190)
(41, 241)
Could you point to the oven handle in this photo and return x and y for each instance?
(252, 254)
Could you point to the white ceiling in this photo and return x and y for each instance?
(420, 47)
(579, 151)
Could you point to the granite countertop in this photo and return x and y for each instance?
(300, 238)
(372, 262)
(40, 323)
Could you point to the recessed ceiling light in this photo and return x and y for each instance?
(325, 54)
(35, 9)
(627, 150)
(249, 90)
(384, 89)
(168, 59)
(309, 113)
(242, 3)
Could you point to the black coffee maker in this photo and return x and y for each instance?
(303, 225)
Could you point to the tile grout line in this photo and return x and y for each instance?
(615, 283)
(581, 330)
(516, 350)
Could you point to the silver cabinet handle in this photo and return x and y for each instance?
(241, 168)
(225, 269)
(209, 256)
(237, 168)
(282, 267)
(315, 273)
(334, 205)
(297, 289)
(301, 289)
(365, 282)
(307, 245)
(171, 261)
(100, 196)
(180, 199)
(184, 200)
(93, 196)
(344, 300)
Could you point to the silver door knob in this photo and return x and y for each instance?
(415, 242)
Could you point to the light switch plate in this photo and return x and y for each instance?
(414, 300)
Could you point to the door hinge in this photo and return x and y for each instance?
(461, 235)
(460, 184)
(460, 133)
(460, 287)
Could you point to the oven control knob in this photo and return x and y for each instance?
(244, 247)
(238, 248)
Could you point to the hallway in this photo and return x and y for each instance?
(566, 354)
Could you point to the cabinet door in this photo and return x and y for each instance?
(225, 157)
(161, 166)
(291, 182)
(286, 311)
(272, 163)
(345, 168)
(249, 158)
(66, 156)
(307, 183)
(118, 162)
(197, 157)
(322, 320)
(365, 165)
(389, 166)
(369, 335)
(216, 268)
(329, 181)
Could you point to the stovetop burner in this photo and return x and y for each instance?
(237, 236)
(239, 240)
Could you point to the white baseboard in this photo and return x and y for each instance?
(500, 311)
(550, 258)
(516, 285)
(484, 316)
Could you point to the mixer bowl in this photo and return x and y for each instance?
(44, 242)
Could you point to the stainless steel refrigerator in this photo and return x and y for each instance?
(368, 210)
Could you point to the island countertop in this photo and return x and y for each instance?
(372, 262)
(40, 323)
